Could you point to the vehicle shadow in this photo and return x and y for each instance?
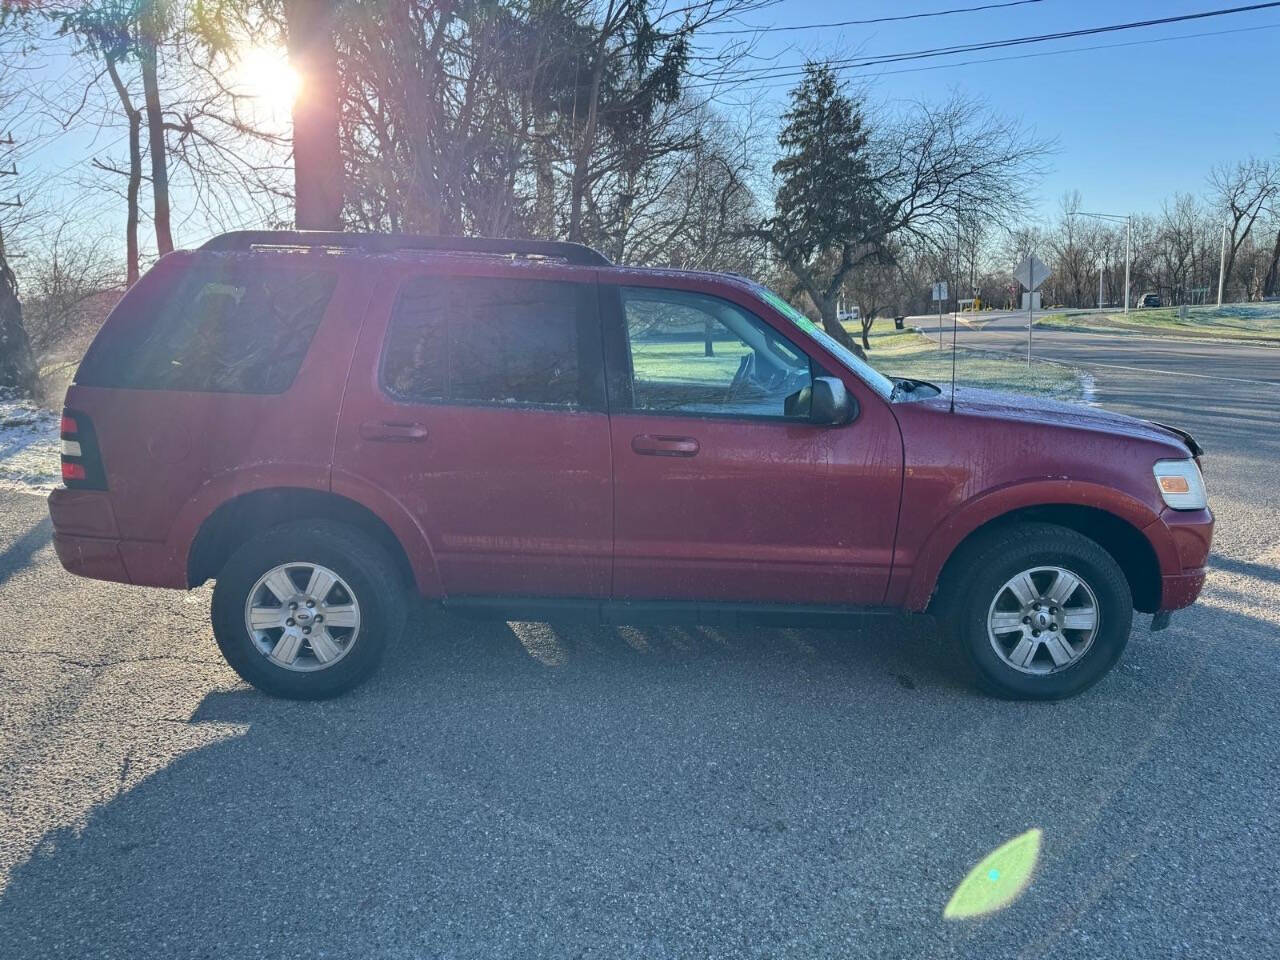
(1269, 573)
(562, 790)
(18, 555)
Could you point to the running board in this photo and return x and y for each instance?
(591, 610)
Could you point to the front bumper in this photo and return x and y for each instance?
(1182, 539)
(1181, 590)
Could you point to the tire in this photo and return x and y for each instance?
(983, 588)
(334, 657)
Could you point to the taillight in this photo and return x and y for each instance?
(81, 459)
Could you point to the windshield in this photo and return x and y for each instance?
(869, 375)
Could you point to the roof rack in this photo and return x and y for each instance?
(575, 253)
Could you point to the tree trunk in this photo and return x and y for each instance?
(544, 205)
(159, 153)
(135, 174)
(17, 366)
(317, 158)
(1273, 272)
(582, 156)
(827, 306)
(131, 197)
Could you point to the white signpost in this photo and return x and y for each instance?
(940, 296)
(1030, 273)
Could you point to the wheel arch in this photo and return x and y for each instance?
(1117, 526)
(1126, 543)
(236, 520)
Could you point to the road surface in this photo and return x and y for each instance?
(513, 790)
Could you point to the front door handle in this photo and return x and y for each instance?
(393, 432)
(653, 446)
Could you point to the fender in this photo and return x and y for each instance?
(230, 484)
(918, 578)
(413, 538)
(307, 476)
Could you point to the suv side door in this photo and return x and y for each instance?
(476, 402)
(719, 494)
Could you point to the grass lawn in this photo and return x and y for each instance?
(1241, 321)
(905, 353)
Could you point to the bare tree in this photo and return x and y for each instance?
(1242, 193)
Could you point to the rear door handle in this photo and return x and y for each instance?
(653, 446)
(393, 432)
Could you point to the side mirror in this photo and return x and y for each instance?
(831, 404)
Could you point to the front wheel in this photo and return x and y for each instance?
(1037, 611)
(305, 609)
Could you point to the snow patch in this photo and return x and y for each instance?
(30, 447)
(1089, 387)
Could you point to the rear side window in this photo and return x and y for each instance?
(493, 340)
(220, 325)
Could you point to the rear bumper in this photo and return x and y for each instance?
(91, 557)
(87, 543)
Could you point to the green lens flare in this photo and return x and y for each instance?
(998, 880)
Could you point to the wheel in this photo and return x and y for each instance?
(305, 609)
(1036, 611)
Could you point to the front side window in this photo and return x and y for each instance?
(868, 374)
(486, 340)
(695, 354)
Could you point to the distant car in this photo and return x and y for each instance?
(849, 316)
(328, 424)
(1150, 300)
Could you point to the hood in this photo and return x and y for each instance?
(1024, 408)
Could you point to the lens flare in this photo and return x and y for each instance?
(998, 880)
(264, 74)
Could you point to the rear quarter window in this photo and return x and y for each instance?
(218, 325)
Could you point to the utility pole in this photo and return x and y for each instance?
(1222, 263)
(1101, 266)
(1128, 257)
(1128, 244)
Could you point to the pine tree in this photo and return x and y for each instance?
(828, 217)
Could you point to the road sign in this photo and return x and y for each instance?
(1031, 272)
(940, 290)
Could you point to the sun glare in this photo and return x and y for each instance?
(264, 74)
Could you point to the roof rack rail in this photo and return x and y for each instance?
(575, 253)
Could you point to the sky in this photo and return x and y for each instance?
(1135, 122)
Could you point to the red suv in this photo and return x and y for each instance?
(325, 423)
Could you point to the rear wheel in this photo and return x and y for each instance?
(1036, 611)
(305, 610)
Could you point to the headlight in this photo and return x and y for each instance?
(1180, 483)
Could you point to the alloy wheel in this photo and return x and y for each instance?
(302, 616)
(1043, 620)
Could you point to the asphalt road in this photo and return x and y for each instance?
(544, 790)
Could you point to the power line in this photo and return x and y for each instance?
(797, 70)
(1055, 53)
(851, 23)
